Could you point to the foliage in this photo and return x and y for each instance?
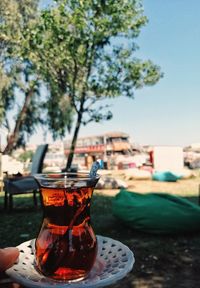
(19, 88)
(26, 155)
(85, 52)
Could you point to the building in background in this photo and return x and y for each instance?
(105, 146)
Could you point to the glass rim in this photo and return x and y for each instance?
(51, 176)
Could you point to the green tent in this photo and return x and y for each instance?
(159, 213)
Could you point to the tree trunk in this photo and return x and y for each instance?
(79, 118)
(12, 138)
(73, 143)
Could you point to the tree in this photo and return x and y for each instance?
(25, 156)
(19, 88)
(85, 52)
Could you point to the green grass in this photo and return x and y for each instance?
(161, 261)
(23, 222)
(20, 224)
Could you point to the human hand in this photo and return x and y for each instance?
(8, 256)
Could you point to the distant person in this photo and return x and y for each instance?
(8, 256)
(151, 158)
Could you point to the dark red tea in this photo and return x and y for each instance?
(66, 246)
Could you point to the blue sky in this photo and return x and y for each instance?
(169, 112)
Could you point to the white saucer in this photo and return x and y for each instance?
(114, 260)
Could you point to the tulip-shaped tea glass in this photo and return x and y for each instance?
(66, 246)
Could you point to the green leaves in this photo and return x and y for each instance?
(17, 76)
(82, 51)
(59, 115)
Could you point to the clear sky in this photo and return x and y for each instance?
(169, 112)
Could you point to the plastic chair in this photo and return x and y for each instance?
(25, 184)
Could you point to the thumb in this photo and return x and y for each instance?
(7, 257)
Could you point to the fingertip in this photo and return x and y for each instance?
(8, 256)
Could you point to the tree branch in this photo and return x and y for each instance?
(12, 138)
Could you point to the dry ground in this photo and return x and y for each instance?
(185, 187)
